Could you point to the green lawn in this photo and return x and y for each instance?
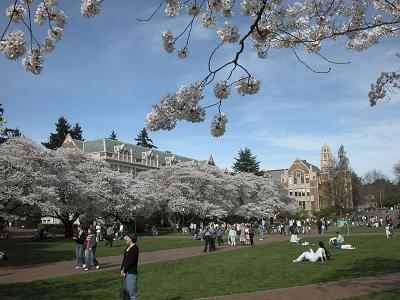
(248, 269)
(27, 252)
(385, 295)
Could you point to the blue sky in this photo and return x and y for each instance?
(108, 71)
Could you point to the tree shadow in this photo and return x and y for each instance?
(363, 268)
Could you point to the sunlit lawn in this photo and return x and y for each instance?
(247, 269)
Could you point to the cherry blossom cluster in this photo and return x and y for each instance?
(248, 86)
(386, 84)
(217, 127)
(229, 33)
(90, 8)
(13, 43)
(183, 105)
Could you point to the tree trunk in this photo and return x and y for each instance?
(68, 228)
(130, 225)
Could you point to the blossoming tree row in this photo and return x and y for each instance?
(68, 183)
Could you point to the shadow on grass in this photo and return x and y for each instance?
(79, 287)
(22, 252)
(363, 268)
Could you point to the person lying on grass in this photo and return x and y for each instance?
(319, 255)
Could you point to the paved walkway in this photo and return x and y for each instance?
(323, 291)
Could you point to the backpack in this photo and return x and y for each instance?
(327, 254)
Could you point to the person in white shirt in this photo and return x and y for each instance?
(337, 241)
(313, 256)
(294, 239)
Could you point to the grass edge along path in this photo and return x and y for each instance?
(325, 291)
(265, 267)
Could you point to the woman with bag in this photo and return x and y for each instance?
(129, 267)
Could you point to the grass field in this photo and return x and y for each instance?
(248, 269)
(28, 252)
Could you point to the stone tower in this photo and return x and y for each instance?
(326, 159)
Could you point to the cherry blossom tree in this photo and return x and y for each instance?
(122, 197)
(26, 174)
(63, 183)
(76, 187)
(207, 191)
(261, 197)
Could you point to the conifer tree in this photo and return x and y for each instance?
(113, 135)
(246, 162)
(144, 140)
(343, 160)
(76, 132)
(6, 133)
(56, 139)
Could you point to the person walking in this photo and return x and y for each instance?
(220, 233)
(252, 232)
(110, 236)
(232, 236)
(207, 239)
(80, 241)
(319, 226)
(129, 265)
(89, 243)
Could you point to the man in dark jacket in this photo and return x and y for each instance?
(80, 240)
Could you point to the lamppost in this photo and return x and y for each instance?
(134, 209)
(183, 225)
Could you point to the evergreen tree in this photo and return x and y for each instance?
(76, 132)
(2, 120)
(343, 160)
(113, 135)
(56, 139)
(6, 133)
(144, 140)
(246, 162)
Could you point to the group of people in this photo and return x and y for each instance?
(238, 234)
(86, 243)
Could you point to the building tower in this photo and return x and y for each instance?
(326, 159)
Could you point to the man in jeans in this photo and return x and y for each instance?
(80, 240)
(110, 236)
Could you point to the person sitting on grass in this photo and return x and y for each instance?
(319, 255)
(294, 239)
(337, 241)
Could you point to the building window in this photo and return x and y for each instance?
(295, 179)
(307, 179)
(290, 180)
(302, 204)
(295, 193)
(290, 192)
(308, 192)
